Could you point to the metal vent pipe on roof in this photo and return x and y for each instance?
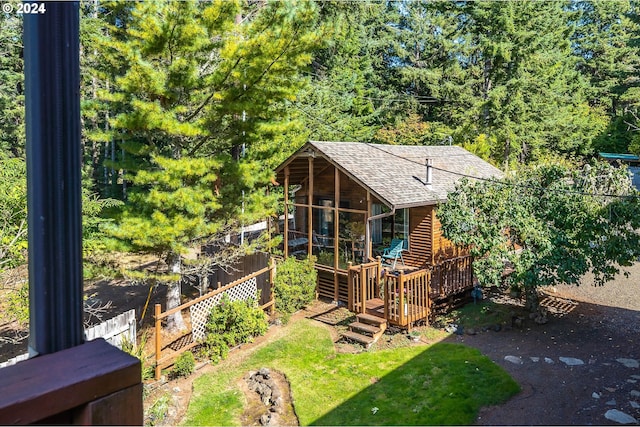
(429, 171)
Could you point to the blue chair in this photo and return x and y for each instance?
(394, 251)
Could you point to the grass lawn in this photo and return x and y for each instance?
(441, 384)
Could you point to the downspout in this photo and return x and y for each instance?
(367, 255)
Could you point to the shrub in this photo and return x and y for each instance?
(295, 285)
(232, 323)
(184, 365)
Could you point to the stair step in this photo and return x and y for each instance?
(365, 327)
(370, 319)
(362, 339)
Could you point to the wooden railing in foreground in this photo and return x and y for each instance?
(169, 359)
(90, 384)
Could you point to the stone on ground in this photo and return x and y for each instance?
(571, 361)
(629, 363)
(619, 417)
(514, 359)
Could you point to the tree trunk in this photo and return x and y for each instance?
(532, 300)
(174, 322)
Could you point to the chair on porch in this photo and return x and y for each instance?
(394, 251)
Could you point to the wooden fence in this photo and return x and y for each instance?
(114, 331)
(199, 309)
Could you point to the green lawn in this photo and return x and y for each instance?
(442, 384)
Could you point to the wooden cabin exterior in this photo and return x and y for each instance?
(347, 201)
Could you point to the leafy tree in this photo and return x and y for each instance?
(550, 223)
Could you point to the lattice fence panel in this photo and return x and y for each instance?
(200, 311)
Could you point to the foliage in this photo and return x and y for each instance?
(551, 224)
(138, 351)
(158, 411)
(294, 285)
(232, 323)
(18, 305)
(184, 365)
(13, 213)
(12, 130)
(442, 384)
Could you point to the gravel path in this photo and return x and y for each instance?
(581, 368)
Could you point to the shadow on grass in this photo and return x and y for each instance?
(446, 384)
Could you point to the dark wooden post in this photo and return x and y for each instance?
(52, 105)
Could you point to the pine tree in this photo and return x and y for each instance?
(199, 82)
(606, 42)
(12, 133)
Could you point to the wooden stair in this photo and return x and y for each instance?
(366, 330)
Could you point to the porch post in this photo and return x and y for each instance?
(368, 250)
(363, 289)
(286, 211)
(310, 210)
(336, 231)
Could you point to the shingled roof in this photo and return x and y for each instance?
(396, 174)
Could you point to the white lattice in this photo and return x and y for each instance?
(200, 311)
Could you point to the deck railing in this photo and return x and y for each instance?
(365, 285)
(407, 297)
(452, 276)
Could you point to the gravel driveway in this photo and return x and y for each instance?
(581, 368)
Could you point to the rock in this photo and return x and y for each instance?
(571, 361)
(595, 395)
(635, 393)
(534, 359)
(636, 377)
(176, 390)
(634, 405)
(619, 417)
(611, 402)
(275, 394)
(549, 361)
(629, 363)
(514, 359)
(610, 389)
(459, 330)
(632, 381)
(471, 331)
(264, 420)
(265, 372)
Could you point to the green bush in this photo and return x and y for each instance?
(295, 285)
(184, 365)
(232, 323)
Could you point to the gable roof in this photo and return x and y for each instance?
(396, 174)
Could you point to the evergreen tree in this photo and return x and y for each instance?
(605, 40)
(348, 98)
(12, 133)
(196, 82)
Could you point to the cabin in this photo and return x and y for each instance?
(368, 213)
